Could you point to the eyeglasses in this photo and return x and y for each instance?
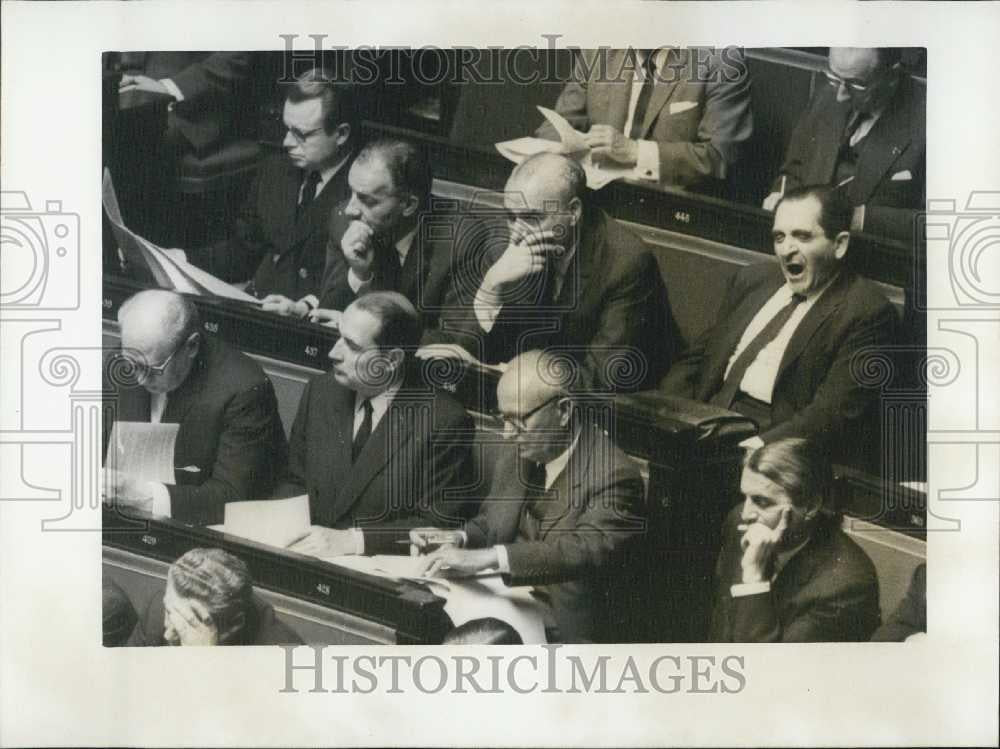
(145, 371)
(302, 137)
(519, 422)
(836, 81)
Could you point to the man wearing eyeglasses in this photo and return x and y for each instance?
(280, 235)
(562, 273)
(230, 444)
(864, 133)
(563, 504)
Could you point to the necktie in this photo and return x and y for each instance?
(642, 103)
(847, 157)
(727, 393)
(364, 431)
(310, 185)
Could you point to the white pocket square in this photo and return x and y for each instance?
(902, 176)
(676, 107)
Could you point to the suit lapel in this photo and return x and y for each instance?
(615, 105)
(338, 469)
(881, 148)
(566, 489)
(663, 90)
(826, 144)
(825, 306)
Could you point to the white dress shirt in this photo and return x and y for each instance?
(758, 380)
(647, 164)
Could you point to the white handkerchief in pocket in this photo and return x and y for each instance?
(676, 107)
(902, 176)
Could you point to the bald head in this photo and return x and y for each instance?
(155, 326)
(551, 176)
(533, 396)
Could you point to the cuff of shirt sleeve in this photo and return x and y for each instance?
(647, 163)
(503, 561)
(749, 589)
(357, 285)
(359, 540)
(172, 88)
(487, 309)
(161, 499)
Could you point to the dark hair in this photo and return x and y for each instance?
(800, 467)
(399, 323)
(221, 582)
(339, 100)
(407, 165)
(486, 631)
(117, 614)
(835, 212)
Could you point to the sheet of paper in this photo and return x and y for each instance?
(143, 450)
(169, 267)
(478, 597)
(572, 139)
(275, 522)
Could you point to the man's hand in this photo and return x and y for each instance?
(126, 491)
(358, 245)
(759, 544)
(424, 540)
(328, 317)
(608, 144)
(142, 83)
(189, 622)
(326, 542)
(526, 254)
(449, 561)
(282, 305)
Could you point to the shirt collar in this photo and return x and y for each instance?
(404, 244)
(558, 464)
(325, 175)
(380, 403)
(815, 293)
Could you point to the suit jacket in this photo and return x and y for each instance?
(287, 245)
(230, 431)
(890, 174)
(816, 394)
(591, 516)
(910, 616)
(409, 473)
(423, 278)
(827, 592)
(262, 628)
(212, 84)
(612, 311)
(698, 113)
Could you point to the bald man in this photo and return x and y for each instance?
(230, 445)
(864, 133)
(563, 274)
(561, 508)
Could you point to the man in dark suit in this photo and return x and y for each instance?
(562, 274)
(230, 444)
(280, 234)
(377, 450)
(790, 338)
(561, 508)
(866, 134)
(679, 116)
(787, 572)
(383, 238)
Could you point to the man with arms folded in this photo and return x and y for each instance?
(377, 450)
(790, 336)
(787, 571)
(230, 445)
(377, 241)
(280, 235)
(678, 116)
(563, 274)
(561, 508)
(865, 134)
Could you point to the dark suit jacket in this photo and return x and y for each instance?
(711, 102)
(423, 278)
(910, 616)
(593, 513)
(893, 148)
(263, 627)
(827, 592)
(409, 473)
(288, 250)
(612, 311)
(229, 429)
(212, 84)
(817, 393)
